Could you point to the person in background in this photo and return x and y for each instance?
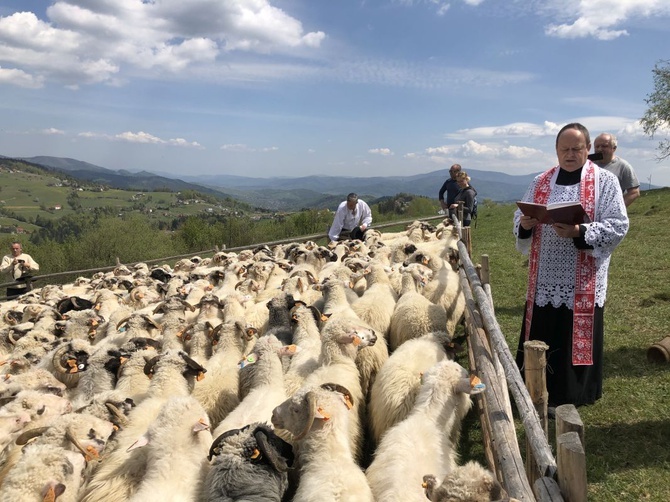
(567, 269)
(19, 266)
(606, 144)
(352, 219)
(450, 188)
(466, 193)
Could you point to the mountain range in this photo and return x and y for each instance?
(289, 194)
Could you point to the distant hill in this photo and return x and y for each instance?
(292, 194)
(121, 179)
(499, 187)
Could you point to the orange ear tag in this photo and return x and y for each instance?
(357, 340)
(348, 402)
(255, 454)
(200, 376)
(322, 414)
(476, 384)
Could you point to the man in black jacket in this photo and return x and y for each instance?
(450, 187)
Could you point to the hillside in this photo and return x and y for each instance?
(292, 194)
(30, 193)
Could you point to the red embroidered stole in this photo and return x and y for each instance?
(585, 277)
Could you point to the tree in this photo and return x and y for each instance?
(657, 117)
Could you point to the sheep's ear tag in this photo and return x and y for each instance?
(356, 340)
(347, 402)
(200, 376)
(255, 454)
(319, 413)
(53, 492)
(425, 260)
(122, 329)
(91, 454)
(476, 385)
(288, 350)
(72, 363)
(250, 359)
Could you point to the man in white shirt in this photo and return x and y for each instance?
(19, 266)
(606, 144)
(352, 219)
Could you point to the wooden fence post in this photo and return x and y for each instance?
(535, 364)
(571, 461)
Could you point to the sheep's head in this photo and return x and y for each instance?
(255, 443)
(311, 408)
(467, 483)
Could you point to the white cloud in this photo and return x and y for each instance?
(236, 147)
(139, 137)
(473, 149)
(515, 129)
(600, 19)
(20, 78)
(241, 147)
(93, 41)
(52, 130)
(385, 152)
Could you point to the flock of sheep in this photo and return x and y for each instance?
(298, 372)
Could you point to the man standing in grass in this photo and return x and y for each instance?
(606, 144)
(567, 269)
(19, 266)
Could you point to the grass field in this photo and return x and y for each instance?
(627, 431)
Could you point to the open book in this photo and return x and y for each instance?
(561, 212)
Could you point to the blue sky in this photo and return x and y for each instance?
(338, 87)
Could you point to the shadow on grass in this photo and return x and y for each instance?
(621, 447)
(631, 362)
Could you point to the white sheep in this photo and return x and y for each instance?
(176, 446)
(423, 442)
(414, 314)
(341, 339)
(375, 307)
(444, 288)
(46, 472)
(120, 472)
(319, 419)
(467, 483)
(219, 392)
(397, 385)
(307, 336)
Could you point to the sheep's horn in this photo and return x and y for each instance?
(188, 305)
(57, 360)
(121, 419)
(86, 453)
(348, 398)
(30, 434)
(6, 400)
(151, 321)
(10, 337)
(159, 308)
(214, 449)
(122, 322)
(311, 407)
(149, 366)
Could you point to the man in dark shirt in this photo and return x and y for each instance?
(450, 187)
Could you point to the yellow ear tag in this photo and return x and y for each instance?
(200, 376)
(255, 454)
